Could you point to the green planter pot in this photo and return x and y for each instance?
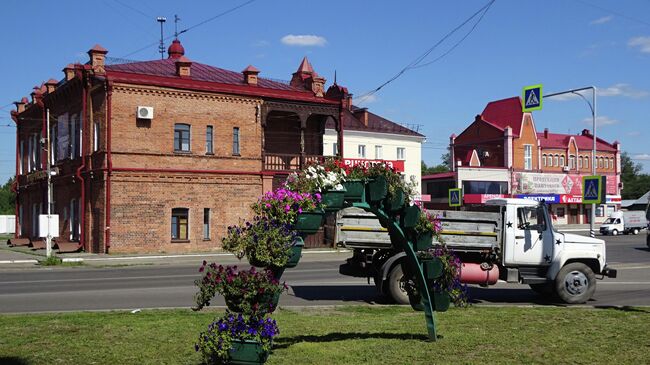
(296, 252)
(354, 190)
(377, 189)
(309, 222)
(410, 216)
(395, 201)
(432, 268)
(424, 241)
(245, 352)
(441, 300)
(333, 199)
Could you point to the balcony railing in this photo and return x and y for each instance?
(288, 162)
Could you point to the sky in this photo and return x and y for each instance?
(562, 44)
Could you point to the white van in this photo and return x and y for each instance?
(625, 222)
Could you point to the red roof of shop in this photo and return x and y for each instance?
(584, 142)
(504, 113)
(441, 175)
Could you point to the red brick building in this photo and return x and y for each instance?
(163, 155)
(501, 154)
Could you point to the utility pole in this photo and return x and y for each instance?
(48, 238)
(161, 47)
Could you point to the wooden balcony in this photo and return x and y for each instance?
(288, 162)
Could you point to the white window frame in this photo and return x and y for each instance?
(528, 157)
(361, 151)
(379, 152)
(206, 223)
(544, 160)
(335, 149)
(400, 153)
(556, 160)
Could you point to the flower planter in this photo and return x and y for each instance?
(309, 222)
(354, 190)
(424, 241)
(268, 303)
(410, 216)
(377, 189)
(395, 201)
(247, 352)
(432, 268)
(441, 301)
(296, 252)
(333, 199)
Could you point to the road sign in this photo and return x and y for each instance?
(593, 188)
(455, 197)
(532, 98)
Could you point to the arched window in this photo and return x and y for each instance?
(586, 162)
(557, 161)
(579, 162)
(544, 160)
(600, 163)
(562, 160)
(606, 163)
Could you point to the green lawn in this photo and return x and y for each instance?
(347, 335)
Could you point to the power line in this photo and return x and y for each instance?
(134, 9)
(416, 62)
(614, 12)
(193, 27)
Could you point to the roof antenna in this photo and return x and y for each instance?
(176, 19)
(161, 47)
(334, 77)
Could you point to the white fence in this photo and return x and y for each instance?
(7, 223)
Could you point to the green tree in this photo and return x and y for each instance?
(635, 183)
(426, 170)
(7, 198)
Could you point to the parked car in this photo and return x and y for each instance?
(625, 222)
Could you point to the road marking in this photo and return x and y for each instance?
(624, 283)
(624, 267)
(18, 261)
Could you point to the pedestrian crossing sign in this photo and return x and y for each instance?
(592, 189)
(532, 98)
(455, 197)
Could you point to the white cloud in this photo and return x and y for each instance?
(633, 133)
(641, 156)
(601, 121)
(602, 20)
(304, 40)
(261, 43)
(643, 43)
(365, 100)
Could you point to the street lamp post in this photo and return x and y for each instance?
(592, 106)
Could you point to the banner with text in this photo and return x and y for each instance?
(544, 183)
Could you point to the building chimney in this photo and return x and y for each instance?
(362, 115)
(20, 105)
(586, 132)
(36, 94)
(50, 85)
(68, 71)
(183, 67)
(98, 58)
(250, 75)
(304, 72)
(317, 84)
(545, 132)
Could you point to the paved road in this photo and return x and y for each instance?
(315, 281)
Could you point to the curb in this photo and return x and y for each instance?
(18, 261)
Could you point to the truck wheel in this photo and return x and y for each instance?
(575, 283)
(396, 282)
(545, 289)
(635, 231)
(615, 232)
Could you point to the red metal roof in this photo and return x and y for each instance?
(504, 113)
(584, 142)
(441, 175)
(375, 124)
(200, 72)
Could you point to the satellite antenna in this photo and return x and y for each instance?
(161, 47)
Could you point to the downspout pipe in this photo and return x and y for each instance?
(109, 161)
(82, 199)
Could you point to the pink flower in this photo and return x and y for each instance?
(287, 208)
(299, 210)
(268, 205)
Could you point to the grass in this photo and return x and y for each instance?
(345, 335)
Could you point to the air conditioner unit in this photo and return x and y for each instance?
(565, 168)
(144, 112)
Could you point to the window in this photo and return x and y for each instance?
(485, 187)
(208, 140)
(544, 160)
(79, 140)
(586, 162)
(29, 154)
(72, 147)
(562, 161)
(206, 223)
(560, 212)
(179, 223)
(401, 153)
(611, 164)
(53, 143)
(22, 157)
(378, 152)
(96, 136)
(235, 141)
(531, 218)
(600, 163)
(335, 149)
(362, 151)
(74, 220)
(579, 162)
(181, 137)
(557, 161)
(528, 157)
(606, 163)
(572, 162)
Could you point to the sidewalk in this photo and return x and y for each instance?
(16, 256)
